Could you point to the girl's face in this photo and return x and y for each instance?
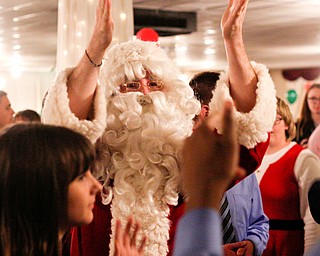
(278, 133)
(81, 197)
(314, 100)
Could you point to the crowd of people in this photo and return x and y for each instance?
(127, 159)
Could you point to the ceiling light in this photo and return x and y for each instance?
(209, 51)
(208, 41)
(210, 31)
(123, 16)
(16, 47)
(180, 48)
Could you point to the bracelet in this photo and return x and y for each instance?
(94, 64)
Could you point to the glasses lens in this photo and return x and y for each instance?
(313, 99)
(133, 86)
(155, 85)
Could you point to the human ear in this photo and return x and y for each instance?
(204, 113)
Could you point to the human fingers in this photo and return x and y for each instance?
(228, 123)
(240, 252)
(126, 233)
(134, 235)
(118, 237)
(236, 245)
(142, 245)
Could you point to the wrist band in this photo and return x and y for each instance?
(94, 64)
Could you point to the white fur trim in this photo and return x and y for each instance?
(56, 110)
(253, 127)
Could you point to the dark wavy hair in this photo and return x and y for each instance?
(38, 162)
(305, 124)
(203, 84)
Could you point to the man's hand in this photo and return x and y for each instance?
(231, 249)
(210, 161)
(243, 248)
(242, 80)
(103, 28)
(233, 18)
(83, 80)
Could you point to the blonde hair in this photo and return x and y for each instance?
(284, 111)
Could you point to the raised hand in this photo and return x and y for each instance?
(83, 80)
(103, 29)
(210, 161)
(125, 244)
(233, 18)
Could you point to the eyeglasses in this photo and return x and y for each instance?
(277, 121)
(313, 99)
(153, 85)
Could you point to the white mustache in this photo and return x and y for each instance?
(144, 99)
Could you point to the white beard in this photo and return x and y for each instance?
(139, 151)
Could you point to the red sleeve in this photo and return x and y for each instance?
(176, 213)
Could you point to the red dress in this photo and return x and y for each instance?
(281, 203)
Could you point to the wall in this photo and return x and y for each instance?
(283, 86)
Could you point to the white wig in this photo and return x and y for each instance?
(130, 60)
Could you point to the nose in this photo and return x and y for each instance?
(96, 186)
(144, 86)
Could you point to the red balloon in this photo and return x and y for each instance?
(148, 35)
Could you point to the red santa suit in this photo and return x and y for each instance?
(285, 178)
(141, 175)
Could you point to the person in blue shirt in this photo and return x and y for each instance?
(247, 216)
(199, 231)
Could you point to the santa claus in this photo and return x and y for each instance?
(138, 116)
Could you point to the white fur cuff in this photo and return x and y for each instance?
(253, 127)
(56, 110)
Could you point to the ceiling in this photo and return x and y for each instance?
(279, 33)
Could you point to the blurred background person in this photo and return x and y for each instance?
(314, 141)
(27, 115)
(285, 176)
(6, 112)
(309, 116)
(314, 192)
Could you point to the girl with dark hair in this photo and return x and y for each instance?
(46, 187)
(309, 116)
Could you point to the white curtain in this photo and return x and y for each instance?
(75, 24)
(27, 91)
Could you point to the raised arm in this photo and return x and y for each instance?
(243, 79)
(83, 80)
